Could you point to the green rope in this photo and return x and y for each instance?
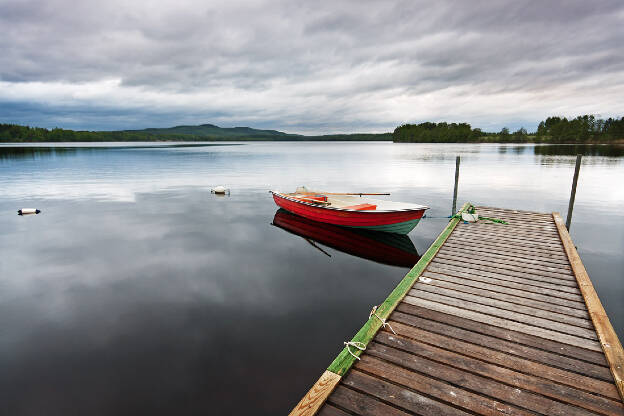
(493, 220)
(472, 210)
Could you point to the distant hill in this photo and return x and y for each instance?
(205, 132)
(210, 131)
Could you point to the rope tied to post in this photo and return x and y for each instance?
(383, 321)
(359, 345)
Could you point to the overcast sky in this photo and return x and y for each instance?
(308, 66)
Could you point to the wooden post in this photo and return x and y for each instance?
(573, 193)
(454, 210)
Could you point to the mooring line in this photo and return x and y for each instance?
(383, 321)
(357, 344)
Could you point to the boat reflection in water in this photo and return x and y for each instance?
(386, 248)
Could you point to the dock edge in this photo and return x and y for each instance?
(609, 340)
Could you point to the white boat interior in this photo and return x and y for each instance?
(352, 202)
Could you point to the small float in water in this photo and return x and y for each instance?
(28, 211)
(220, 190)
(355, 210)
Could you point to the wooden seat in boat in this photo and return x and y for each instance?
(361, 207)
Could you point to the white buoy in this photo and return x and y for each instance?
(28, 211)
(221, 190)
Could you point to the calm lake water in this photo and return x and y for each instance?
(136, 291)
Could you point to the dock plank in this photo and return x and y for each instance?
(506, 281)
(399, 396)
(438, 389)
(361, 403)
(442, 289)
(528, 322)
(511, 253)
(496, 242)
(516, 237)
(517, 379)
(494, 292)
(329, 410)
(508, 248)
(506, 324)
(504, 274)
(478, 258)
(519, 339)
(479, 384)
(522, 364)
(511, 346)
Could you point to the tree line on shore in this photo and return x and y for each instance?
(582, 129)
(17, 133)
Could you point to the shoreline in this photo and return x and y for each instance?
(618, 142)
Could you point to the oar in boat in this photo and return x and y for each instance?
(342, 193)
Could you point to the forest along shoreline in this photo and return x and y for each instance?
(585, 129)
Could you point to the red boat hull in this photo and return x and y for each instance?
(400, 222)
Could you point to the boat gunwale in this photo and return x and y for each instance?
(281, 195)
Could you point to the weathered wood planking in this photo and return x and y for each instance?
(499, 319)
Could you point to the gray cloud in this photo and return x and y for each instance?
(308, 67)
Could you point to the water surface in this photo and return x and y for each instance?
(138, 291)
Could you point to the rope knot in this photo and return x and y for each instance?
(359, 345)
(383, 321)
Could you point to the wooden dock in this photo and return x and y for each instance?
(494, 319)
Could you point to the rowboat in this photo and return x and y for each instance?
(386, 248)
(351, 210)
